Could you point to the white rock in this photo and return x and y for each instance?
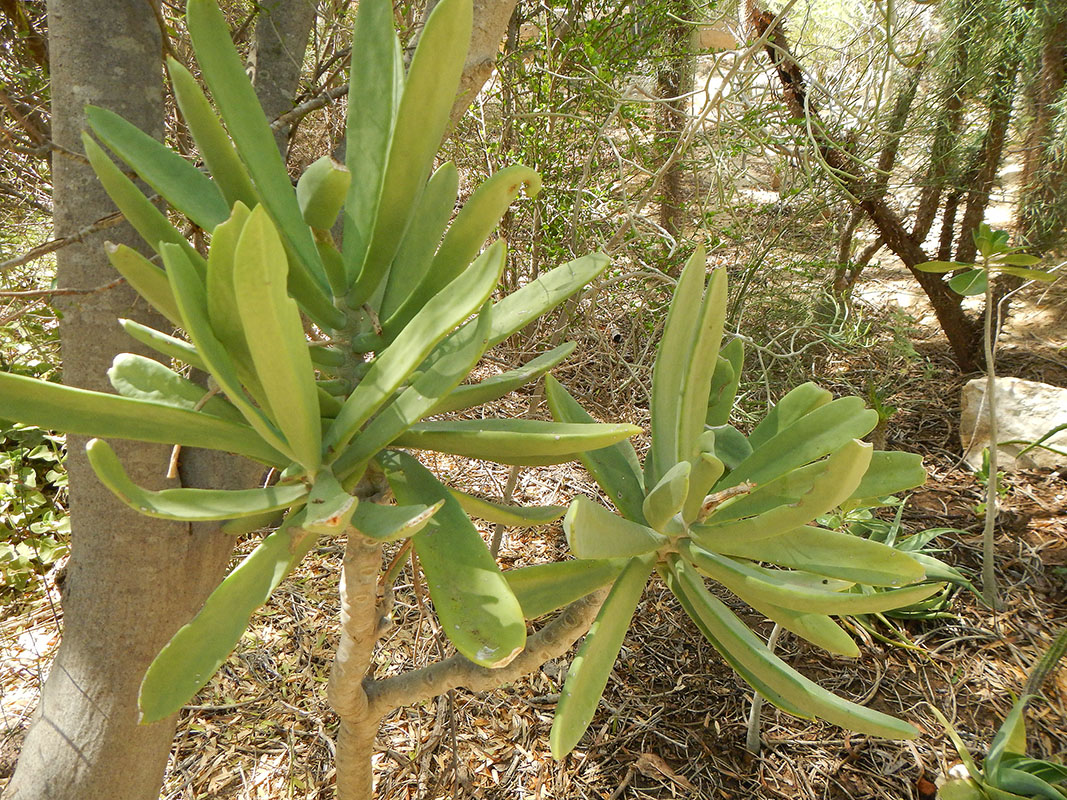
(1026, 411)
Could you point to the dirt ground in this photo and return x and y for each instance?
(672, 722)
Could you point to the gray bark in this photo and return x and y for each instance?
(282, 31)
(131, 581)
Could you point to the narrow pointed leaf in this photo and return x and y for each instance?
(199, 648)
(477, 609)
(439, 316)
(421, 118)
(594, 532)
(389, 523)
(732, 635)
(493, 388)
(525, 442)
(592, 665)
(941, 266)
(211, 138)
(543, 588)
(275, 337)
(193, 505)
(146, 278)
(615, 468)
(1030, 274)
(511, 516)
(178, 181)
(80, 411)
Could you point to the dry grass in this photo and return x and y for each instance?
(672, 722)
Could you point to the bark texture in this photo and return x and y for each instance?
(132, 581)
(282, 31)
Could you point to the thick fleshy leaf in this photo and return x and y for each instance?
(421, 119)
(190, 294)
(164, 344)
(763, 585)
(199, 648)
(151, 223)
(615, 468)
(221, 292)
(146, 278)
(225, 75)
(889, 473)
(794, 404)
(592, 665)
(729, 634)
(321, 191)
(275, 336)
(819, 433)
(437, 318)
(701, 368)
(178, 181)
(146, 379)
(511, 516)
(477, 219)
(594, 532)
(543, 588)
(835, 555)
(376, 78)
(837, 478)
(421, 239)
(211, 138)
(477, 609)
(109, 416)
(819, 629)
(731, 446)
(666, 498)
(389, 523)
(680, 332)
(513, 441)
(329, 506)
(419, 399)
(706, 470)
(524, 305)
(497, 386)
(724, 382)
(193, 505)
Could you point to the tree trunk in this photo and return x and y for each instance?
(674, 80)
(282, 31)
(132, 581)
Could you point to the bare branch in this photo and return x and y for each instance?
(50, 247)
(553, 640)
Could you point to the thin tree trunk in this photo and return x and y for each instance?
(132, 581)
(282, 31)
(674, 81)
(963, 334)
